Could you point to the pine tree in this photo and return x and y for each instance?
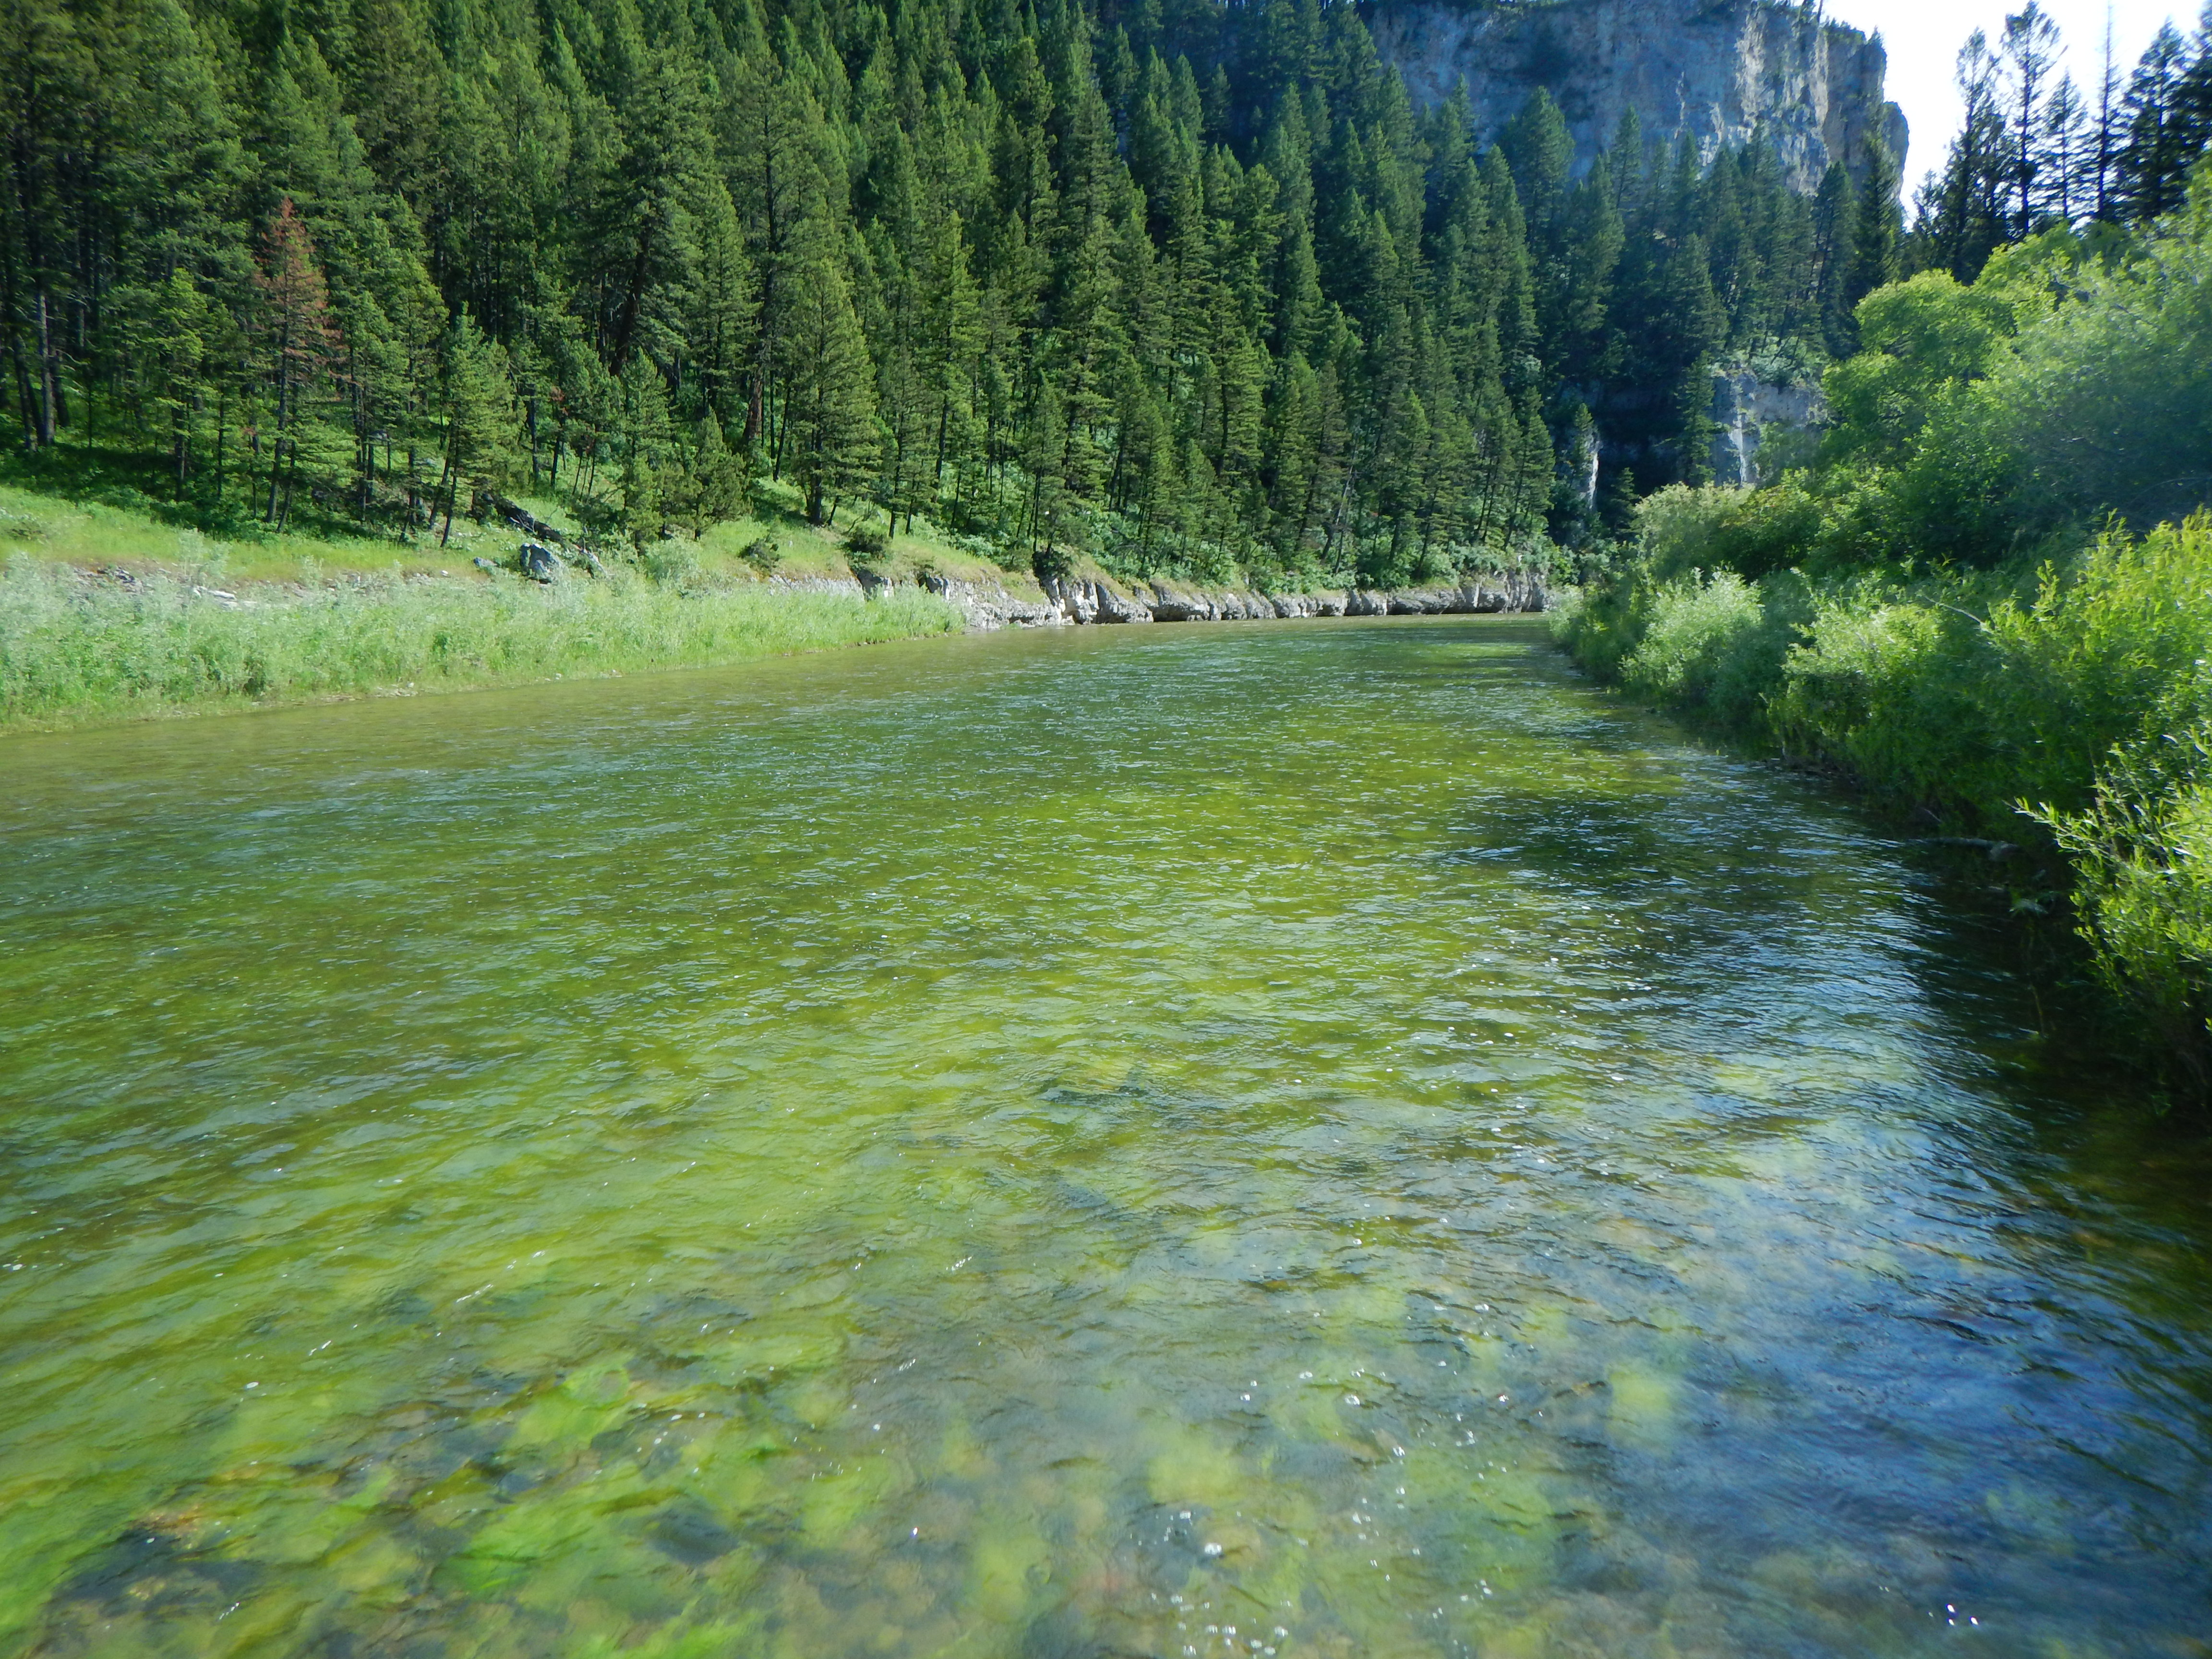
(2154, 164)
(1878, 230)
(1191, 284)
(828, 436)
(1835, 239)
(1962, 210)
(167, 333)
(2029, 48)
(2063, 189)
(715, 478)
(299, 342)
(482, 430)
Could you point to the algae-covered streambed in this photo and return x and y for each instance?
(1322, 1138)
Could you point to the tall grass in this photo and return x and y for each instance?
(77, 647)
(2067, 705)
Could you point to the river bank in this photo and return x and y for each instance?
(1098, 599)
(80, 646)
(2056, 716)
(83, 644)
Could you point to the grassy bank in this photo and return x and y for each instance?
(2062, 707)
(126, 618)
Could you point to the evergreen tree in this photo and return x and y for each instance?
(482, 431)
(299, 341)
(1835, 247)
(1878, 229)
(2028, 49)
(827, 438)
(1178, 283)
(2160, 147)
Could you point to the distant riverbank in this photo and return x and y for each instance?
(81, 645)
(77, 646)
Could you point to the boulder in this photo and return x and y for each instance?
(1115, 606)
(1168, 605)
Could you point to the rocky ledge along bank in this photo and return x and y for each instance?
(1072, 602)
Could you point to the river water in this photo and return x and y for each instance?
(1320, 1139)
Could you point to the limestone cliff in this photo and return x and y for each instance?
(1719, 70)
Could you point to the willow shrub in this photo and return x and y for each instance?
(2076, 695)
(74, 647)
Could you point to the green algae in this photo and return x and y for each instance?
(1046, 1145)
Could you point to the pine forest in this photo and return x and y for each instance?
(1193, 289)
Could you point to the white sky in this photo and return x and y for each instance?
(1923, 37)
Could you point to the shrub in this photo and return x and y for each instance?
(865, 544)
(1693, 622)
(2142, 856)
(1880, 685)
(1715, 527)
(763, 555)
(672, 564)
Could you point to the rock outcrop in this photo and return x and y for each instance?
(1748, 415)
(1719, 71)
(1089, 601)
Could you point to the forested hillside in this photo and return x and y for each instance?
(1987, 596)
(1188, 288)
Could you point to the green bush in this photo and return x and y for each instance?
(1715, 527)
(2074, 696)
(2141, 851)
(672, 564)
(1694, 625)
(1965, 641)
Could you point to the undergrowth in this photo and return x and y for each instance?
(2064, 705)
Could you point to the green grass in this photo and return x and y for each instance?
(75, 647)
(107, 613)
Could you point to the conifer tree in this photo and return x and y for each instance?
(1175, 283)
(828, 439)
(1835, 249)
(482, 430)
(299, 341)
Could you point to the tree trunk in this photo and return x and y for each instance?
(49, 383)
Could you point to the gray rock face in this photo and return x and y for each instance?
(538, 563)
(990, 608)
(1716, 69)
(843, 587)
(1086, 602)
(1749, 413)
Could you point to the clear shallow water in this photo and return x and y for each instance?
(1055, 1145)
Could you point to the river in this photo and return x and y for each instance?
(1308, 1138)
